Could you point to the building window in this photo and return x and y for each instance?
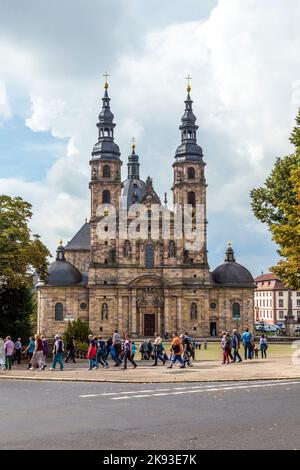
(280, 294)
(83, 306)
(106, 197)
(149, 256)
(59, 311)
(298, 294)
(194, 311)
(106, 171)
(236, 311)
(298, 317)
(104, 311)
(280, 303)
(213, 305)
(298, 303)
(191, 198)
(281, 314)
(191, 173)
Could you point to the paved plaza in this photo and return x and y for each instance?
(203, 371)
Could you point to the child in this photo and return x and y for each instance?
(92, 355)
(255, 349)
(133, 350)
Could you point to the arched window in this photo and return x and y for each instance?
(191, 198)
(106, 171)
(149, 256)
(59, 311)
(106, 197)
(236, 311)
(194, 311)
(104, 311)
(191, 173)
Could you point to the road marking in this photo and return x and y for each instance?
(202, 390)
(107, 394)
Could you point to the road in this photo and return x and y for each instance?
(60, 415)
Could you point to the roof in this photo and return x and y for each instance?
(232, 274)
(273, 282)
(266, 277)
(81, 241)
(63, 274)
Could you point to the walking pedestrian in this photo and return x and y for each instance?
(247, 342)
(176, 349)
(236, 342)
(9, 347)
(263, 346)
(133, 349)
(92, 355)
(29, 350)
(224, 346)
(158, 350)
(71, 350)
(128, 353)
(45, 351)
(18, 350)
(2, 354)
(117, 343)
(187, 349)
(38, 354)
(101, 352)
(58, 349)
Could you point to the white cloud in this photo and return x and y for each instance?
(244, 60)
(5, 107)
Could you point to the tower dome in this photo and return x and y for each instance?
(62, 273)
(231, 273)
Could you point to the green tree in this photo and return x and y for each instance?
(77, 328)
(20, 253)
(17, 306)
(277, 204)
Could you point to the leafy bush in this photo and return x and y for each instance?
(79, 329)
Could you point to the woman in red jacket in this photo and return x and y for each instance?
(92, 354)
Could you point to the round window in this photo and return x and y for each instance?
(213, 305)
(83, 306)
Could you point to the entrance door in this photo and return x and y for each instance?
(149, 324)
(213, 329)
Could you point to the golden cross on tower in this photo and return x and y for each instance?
(188, 88)
(133, 141)
(106, 75)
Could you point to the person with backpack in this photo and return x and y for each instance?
(176, 349)
(236, 341)
(158, 350)
(58, 350)
(71, 350)
(128, 353)
(101, 352)
(188, 349)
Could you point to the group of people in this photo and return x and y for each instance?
(123, 350)
(231, 344)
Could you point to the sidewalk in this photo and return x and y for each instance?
(203, 371)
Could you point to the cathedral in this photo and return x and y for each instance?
(143, 284)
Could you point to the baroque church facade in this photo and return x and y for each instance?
(140, 285)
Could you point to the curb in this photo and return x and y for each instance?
(100, 380)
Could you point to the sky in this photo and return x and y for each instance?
(244, 60)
